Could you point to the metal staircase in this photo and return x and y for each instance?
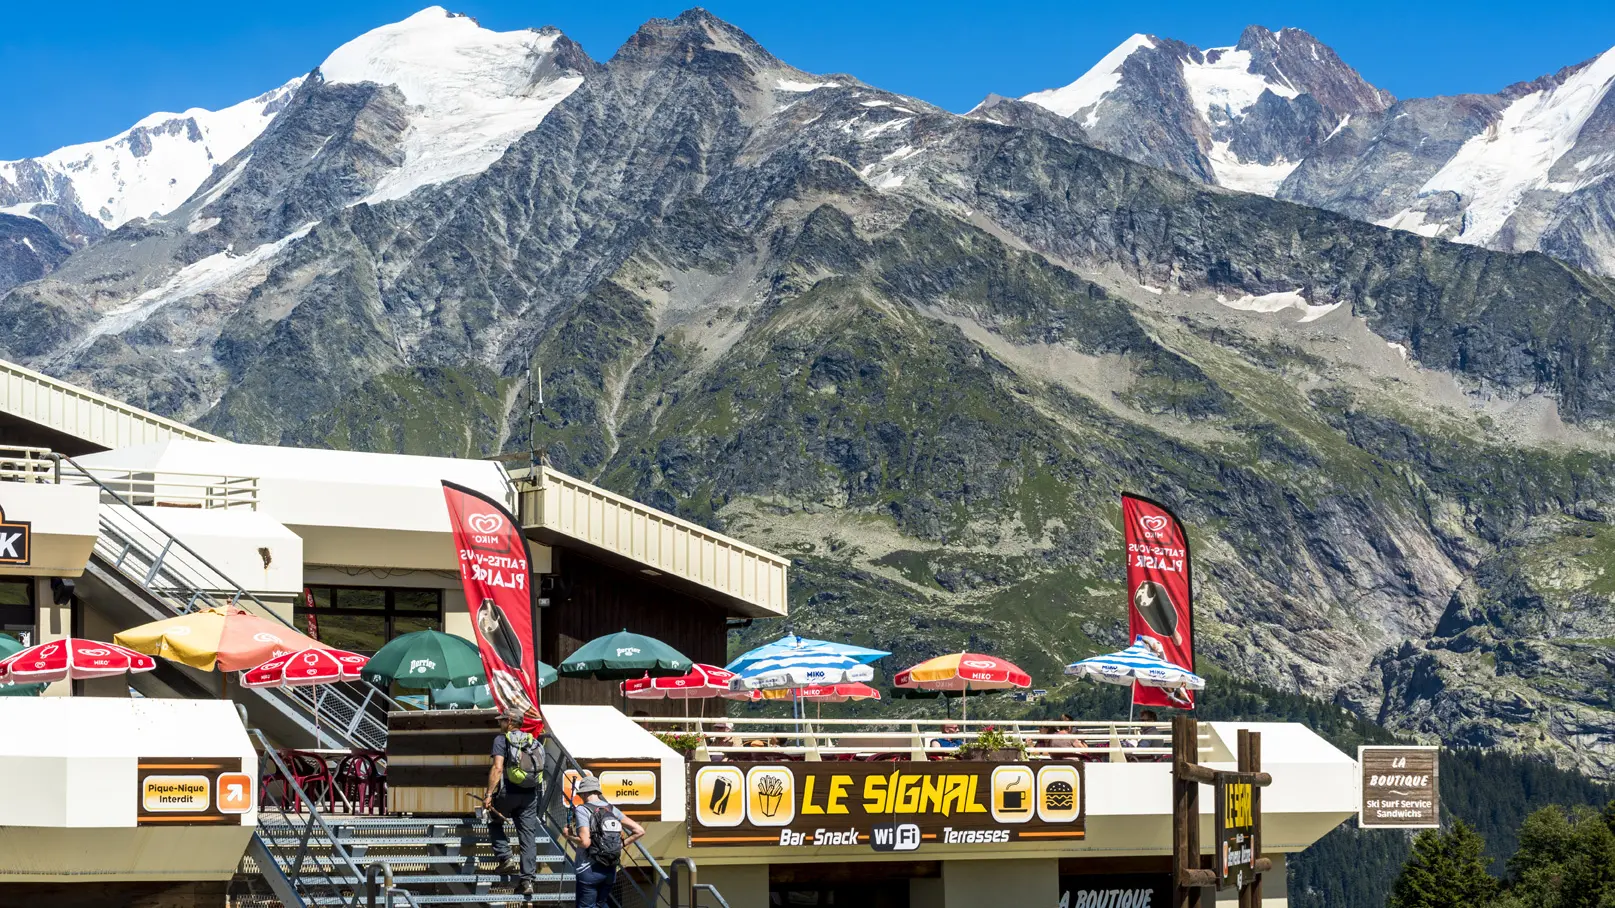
(301, 857)
(159, 576)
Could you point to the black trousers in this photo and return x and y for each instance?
(520, 806)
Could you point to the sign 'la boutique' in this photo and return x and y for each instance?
(885, 806)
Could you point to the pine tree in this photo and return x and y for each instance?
(1446, 870)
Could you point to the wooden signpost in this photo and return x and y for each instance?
(1238, 859)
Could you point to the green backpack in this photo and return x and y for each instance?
(524, 764)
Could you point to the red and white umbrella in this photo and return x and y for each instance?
(72, 659)
(308, 666)
(304, 668)
(699, 683)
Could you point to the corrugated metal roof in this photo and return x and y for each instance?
(83, 414)
(744, 577)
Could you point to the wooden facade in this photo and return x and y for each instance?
(599, 598)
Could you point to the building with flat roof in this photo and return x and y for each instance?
(111, 517)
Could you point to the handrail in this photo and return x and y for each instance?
(210, 491)
(195, 592)
(341, 875)
(656, 890)
(22, 463)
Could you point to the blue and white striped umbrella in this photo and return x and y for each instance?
(793, 661)
(1137, 663)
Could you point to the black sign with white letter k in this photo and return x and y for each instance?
(14, 540)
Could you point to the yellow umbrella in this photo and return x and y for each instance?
(230, 639)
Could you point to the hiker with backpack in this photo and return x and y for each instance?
(514, 782)
(601, 833)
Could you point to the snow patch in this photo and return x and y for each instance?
(1278, 302)
(153, 167)
(474, 91)
(1248, 176)
(1093, 85)
(223, 185)
(1343, 120)
(201, 224)
(1494, 170)
(1401, 350)
(798, 85)
(25, 210)
(198, 277)
(1413, 222)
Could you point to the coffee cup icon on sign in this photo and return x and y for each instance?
(718, 803)
(1015, 798)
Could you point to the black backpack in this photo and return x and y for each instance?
(605, 836)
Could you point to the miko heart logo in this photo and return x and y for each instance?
(1155, 523)
(486, 524)
(980, 663)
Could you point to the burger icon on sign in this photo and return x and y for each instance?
(1059, 795)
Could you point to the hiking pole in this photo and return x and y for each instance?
(489, 808)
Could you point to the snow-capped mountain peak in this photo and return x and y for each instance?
(1237, 116)
(148, 169)
(1086, 93)
(472, 91)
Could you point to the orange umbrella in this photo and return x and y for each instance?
(963, 672)
(229, 639)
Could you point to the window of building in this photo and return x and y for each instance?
(17, 615)
(362, 619)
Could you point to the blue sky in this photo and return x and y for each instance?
(87, 70)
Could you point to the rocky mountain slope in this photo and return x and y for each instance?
(1528, 168)
(921, 353)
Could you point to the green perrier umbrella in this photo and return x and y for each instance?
(426, 659)
(619, 656)
(8, 646)
(477, 696)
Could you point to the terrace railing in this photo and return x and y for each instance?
(919, 739)
(22, 464)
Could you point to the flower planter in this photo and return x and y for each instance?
(990, 755)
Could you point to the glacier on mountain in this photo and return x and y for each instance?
(472, 91)
(1494, 171)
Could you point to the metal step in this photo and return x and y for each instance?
(488, 898)
(415, 879)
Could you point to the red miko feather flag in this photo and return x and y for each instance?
(498, 580)
(1159, 592)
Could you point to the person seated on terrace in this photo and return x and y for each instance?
(951, 743)
(1147, 716)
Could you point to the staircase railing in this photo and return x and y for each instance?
(181, 578)
(641, 880)
(305, 857)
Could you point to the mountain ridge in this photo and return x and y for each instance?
(1526, 168)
